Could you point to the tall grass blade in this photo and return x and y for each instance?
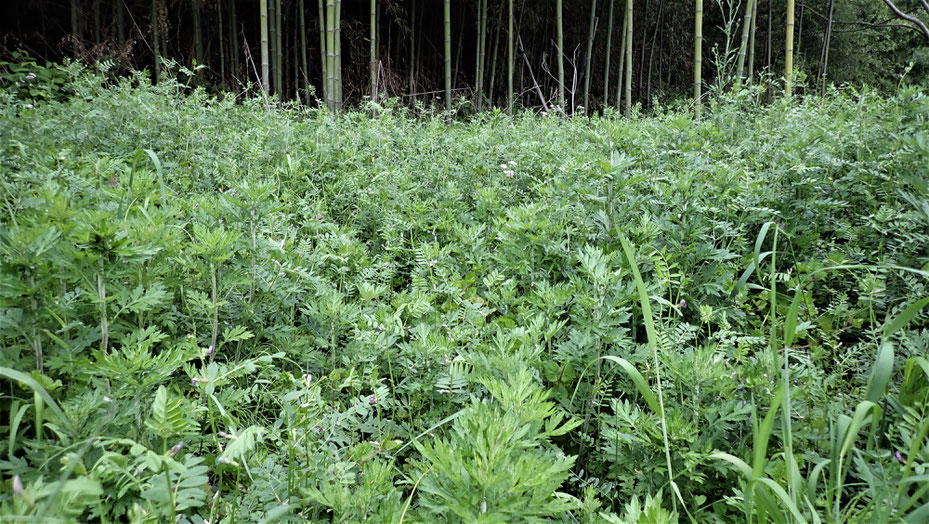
(640, 383)
(37, 388)
(904, 317)
(880, 374)
(652, 343)
(161, 180)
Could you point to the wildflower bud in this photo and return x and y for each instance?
(319, 428)
(372, 399)
(682, 304)
(193, 382)
(176, 449)
(899, 457)
(18, 486)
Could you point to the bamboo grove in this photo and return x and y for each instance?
(566, 55)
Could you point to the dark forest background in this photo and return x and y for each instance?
(868, 44)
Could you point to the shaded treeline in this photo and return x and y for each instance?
(490, 52)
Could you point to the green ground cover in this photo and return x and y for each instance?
(215, 310)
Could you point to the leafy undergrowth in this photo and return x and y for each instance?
(213, 311)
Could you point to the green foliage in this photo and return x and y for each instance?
(212, 310)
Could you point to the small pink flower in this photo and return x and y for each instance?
(682, 304)
(512, 163)
(508, 172)
(372, 399)
(899, 457)
(210, 350)
(319, 217)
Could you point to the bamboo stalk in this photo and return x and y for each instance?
(338, 54)
(448, 54)
(272, 44)
(789, 50)
(412, 87)
(323, 46)
(265, 73)
(826, 44)
(622, 62)
(746, 32)
(304, 64)
(590, 48)
(698, 56)
(493, 63)
(155, 23)
(481, 55)
(234, 39)
(330, 55)
(609, 51)
(629, 58)
(509, 61)
(373, 51)
(222, 55)
(278, 52)
(751, 42)
(559, 19)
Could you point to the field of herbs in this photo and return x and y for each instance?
(222, 310)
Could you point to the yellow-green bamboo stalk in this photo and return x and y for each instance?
(622, 62)
(609, 51)
(278, 51)
(303, 61)
(559, 18)
(629, 58)
(481, 55)
(698, 55)
(789, 50)
(448, 54)
(587, 58)
(746, 32)
(222, 55)
(330, 55)
(751, 42)
(338, 54)
(509, 61)
(265, 73)
(373, 50)
(322, 49)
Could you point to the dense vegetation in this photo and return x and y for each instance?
(477, 54)
(225, 310)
